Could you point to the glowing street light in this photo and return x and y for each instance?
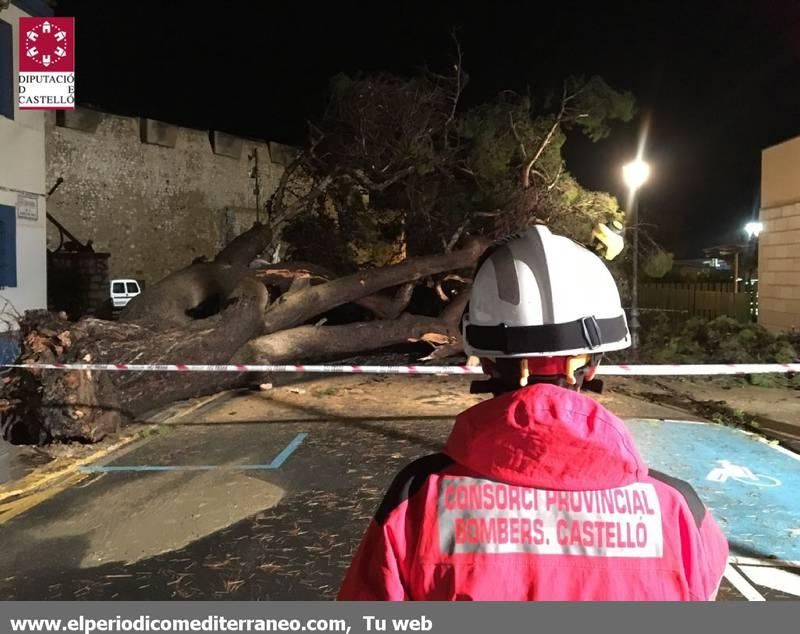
(635, 174)
(753, 229)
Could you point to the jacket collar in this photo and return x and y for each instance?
(547, 437)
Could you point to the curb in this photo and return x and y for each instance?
(44, 482)
(54, 470)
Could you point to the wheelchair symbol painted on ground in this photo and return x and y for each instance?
(726, 470)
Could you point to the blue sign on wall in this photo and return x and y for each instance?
(9, 347)
(8, 246)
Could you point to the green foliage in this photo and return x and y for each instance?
(498, 139)
(432, 174)
(347, 239)
(597, 105)
(767, 380)
(314, 237)
(328, 391)
(658, 264)
(380, 122)
(720, 340)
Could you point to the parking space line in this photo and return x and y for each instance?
(275, 464)
(58, 469)
(288, 451)
(742, 585)
(753, 561)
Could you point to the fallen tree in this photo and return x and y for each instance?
(397, 192)
(317, 342)
(39, 406)
(298, 275)
(294, 308)
(208, 313)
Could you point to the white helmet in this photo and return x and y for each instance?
(536, 294)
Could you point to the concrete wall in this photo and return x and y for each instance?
(154, 196)
(22, 171)
(779, 242)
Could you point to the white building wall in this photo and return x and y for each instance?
(22, 170)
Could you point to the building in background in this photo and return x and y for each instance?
(23, 260)
(779, 241)
(153, 195)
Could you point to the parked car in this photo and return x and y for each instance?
(122, 291)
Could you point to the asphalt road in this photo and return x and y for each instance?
(261, 510)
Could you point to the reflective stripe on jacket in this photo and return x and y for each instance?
(539, 494)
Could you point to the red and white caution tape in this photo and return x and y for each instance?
(705, 369)
(298, 369)
(607, 370)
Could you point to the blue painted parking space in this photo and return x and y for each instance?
(751, 486)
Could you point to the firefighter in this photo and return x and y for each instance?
(539, 492)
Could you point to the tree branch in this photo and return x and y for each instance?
(452, 313)
(526, 171)
(292, 310)
(367, 182)
(276, 200)
(451, 316)
(385, 307)
(516, 136)
(451, 243)
(557, 176)
(300, 205)
(457, 94)
(310, 343)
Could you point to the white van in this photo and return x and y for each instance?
(122, 291)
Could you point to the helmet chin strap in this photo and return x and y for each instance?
(577, 379)
(498, 386)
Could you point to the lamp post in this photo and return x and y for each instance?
(635, 174)
(752, 230)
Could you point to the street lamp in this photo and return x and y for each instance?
(753, 229)
(635, 174)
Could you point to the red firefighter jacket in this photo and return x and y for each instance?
(539, 494)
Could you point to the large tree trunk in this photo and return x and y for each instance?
(296, 308)
(451, 317)
(207, 341)
(294, 276)
(247, 247)
(386, 306)
(170, 324)
(313, 343)
(194, 292)
(281, 276)
(201, 289)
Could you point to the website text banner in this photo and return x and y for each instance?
(357, 618)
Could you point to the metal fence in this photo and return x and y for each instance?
(700, 299)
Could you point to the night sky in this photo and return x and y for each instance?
(720, 80)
